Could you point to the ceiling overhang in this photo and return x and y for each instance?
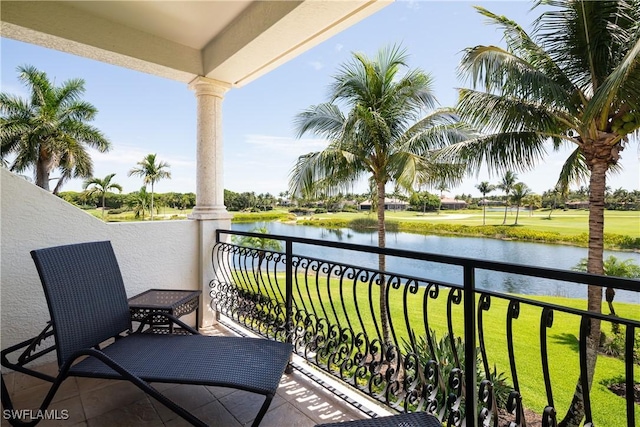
(230, 41)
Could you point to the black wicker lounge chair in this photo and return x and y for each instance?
(88, 307)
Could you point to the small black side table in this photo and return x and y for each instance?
(169, 301)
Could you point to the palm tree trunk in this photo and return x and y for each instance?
(386, 333)
(103, 197)
(42, 171)
(484, 210)
(152, 201)
(506, 206)
(517, 214)
(597, 184)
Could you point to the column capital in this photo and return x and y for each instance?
(206, 86)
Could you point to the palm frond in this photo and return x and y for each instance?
(574, 170)
(518, 151)
(324, 120)
(490, 113)
(522, 46)
(324, 171)
(621, 87)
(504, 73)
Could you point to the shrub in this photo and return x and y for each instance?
(320, 210)
(116, 211)
(300, 211)
(615, 346)
(363, 224)
(445, 355)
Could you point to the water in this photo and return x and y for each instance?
(536, 254)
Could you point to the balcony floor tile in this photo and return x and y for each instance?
(102, 403)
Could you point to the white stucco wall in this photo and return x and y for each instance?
(159, 254)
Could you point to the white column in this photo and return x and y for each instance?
(209, 173)
(210, 210)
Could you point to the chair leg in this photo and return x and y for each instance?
(263, 410)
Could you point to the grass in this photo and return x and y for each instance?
(622, 230)
(182, 214)
(570, 222)
(608, 408)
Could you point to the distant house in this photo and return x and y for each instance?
(389, 204)
(581, 204)
(453, 204)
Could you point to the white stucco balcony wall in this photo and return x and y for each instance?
(159, 254)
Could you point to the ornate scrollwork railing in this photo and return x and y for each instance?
(330, 312)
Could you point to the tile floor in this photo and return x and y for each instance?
(98, 403)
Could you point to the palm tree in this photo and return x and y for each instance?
(387, 135)
(574, 82)
(49, 130)
(101, 186)
(533, 201)
(151, 172)
(139, 201)
(519, 192)
(485, 188)
(506, 185)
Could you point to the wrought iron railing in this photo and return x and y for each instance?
(330, 311)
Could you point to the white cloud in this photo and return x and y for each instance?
(339, 47)
(316, 65)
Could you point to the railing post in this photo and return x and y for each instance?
(289, 295)
(471, 386)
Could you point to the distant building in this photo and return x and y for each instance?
(453, 204)
(577, 205)
(389, 204)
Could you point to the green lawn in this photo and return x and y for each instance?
(177, 214)
(608, 408)
(570, 222)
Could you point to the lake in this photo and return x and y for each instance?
(527, 253)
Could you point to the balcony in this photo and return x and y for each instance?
(329, 310)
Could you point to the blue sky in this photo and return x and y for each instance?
(143, 114)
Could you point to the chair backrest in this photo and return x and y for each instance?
(85, 294)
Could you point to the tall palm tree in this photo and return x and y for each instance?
(386, 134)
(50, 130)
(574, 82)
(485, 188)
(506, 184)
(101, 186)
(518, 193)
(151, 172)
